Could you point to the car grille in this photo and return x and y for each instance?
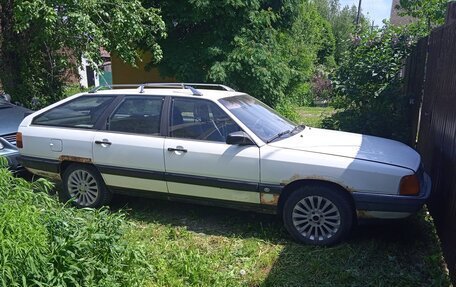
(11, 138)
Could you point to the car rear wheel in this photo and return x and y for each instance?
(318, 215)
(84, 186)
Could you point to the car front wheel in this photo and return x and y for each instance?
(84, 186)
(318, 215)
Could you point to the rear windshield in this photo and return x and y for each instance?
(82, 112)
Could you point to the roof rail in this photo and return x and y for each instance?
(226, 88)
(97, 88)
(189, 86)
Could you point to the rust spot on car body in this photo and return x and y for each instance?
(269, 198)
(49, 175)
(297, 177)
(363, 214)
(75, 159)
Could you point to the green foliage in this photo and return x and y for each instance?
(70, 90)
(288, 110)
(342, 20)
(368, 86)
(265, 48)
(429, 13)
(42, 41)
(44, 243)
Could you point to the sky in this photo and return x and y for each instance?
(376, 10)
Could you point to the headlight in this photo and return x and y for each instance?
(1, 146)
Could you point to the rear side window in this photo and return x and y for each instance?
(140, 115)
(82, 112)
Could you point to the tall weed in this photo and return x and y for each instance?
(44, 243)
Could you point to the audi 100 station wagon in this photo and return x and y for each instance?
(210, 144)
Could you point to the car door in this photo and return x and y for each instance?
(129, 152)
(198, 161)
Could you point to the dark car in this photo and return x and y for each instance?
(10, 117)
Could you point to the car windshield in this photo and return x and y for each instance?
(267, 124)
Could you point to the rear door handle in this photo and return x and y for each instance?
(181, 149)
(103, 142)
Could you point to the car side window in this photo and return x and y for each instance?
(200, 120)
(82, 112)
(140, 115)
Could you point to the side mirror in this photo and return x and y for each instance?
(239, 138)
(7, 97)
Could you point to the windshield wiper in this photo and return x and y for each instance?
(281, 134)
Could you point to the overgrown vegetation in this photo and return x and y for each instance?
(281, 52)
(43, 243)
(42, 41)
(428, 13)
(190, 245)
(368, 85)
(266, 48)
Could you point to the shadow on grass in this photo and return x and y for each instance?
(396, 253)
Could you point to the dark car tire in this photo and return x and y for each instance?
(318, 215)
(84, 186)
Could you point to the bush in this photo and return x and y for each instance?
(44, 243)
(267, 49)
(288, 110)
(368, 86)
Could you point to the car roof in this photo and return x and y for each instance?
(174, 89)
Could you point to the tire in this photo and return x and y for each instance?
(318, 215)
(84, 186)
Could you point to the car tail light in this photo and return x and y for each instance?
(410, 185)
(19, 142)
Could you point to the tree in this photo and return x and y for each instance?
(41, 40)
(342, 20)
(429, 13)
(368, 85)
(266, 48)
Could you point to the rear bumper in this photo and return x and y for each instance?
(394, 204)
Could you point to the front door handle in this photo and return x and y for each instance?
(181, 149)
(106, 142)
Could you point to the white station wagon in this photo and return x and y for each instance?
(213, 145)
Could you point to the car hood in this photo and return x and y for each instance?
(10, 118)
(352, 145)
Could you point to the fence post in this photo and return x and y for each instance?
(451, 13)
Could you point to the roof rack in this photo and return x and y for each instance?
(189, 86)
(97, 88)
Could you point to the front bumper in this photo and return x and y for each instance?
(12, 156)
(394, 203)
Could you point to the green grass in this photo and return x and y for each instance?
(312, 116)
(190, 245)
